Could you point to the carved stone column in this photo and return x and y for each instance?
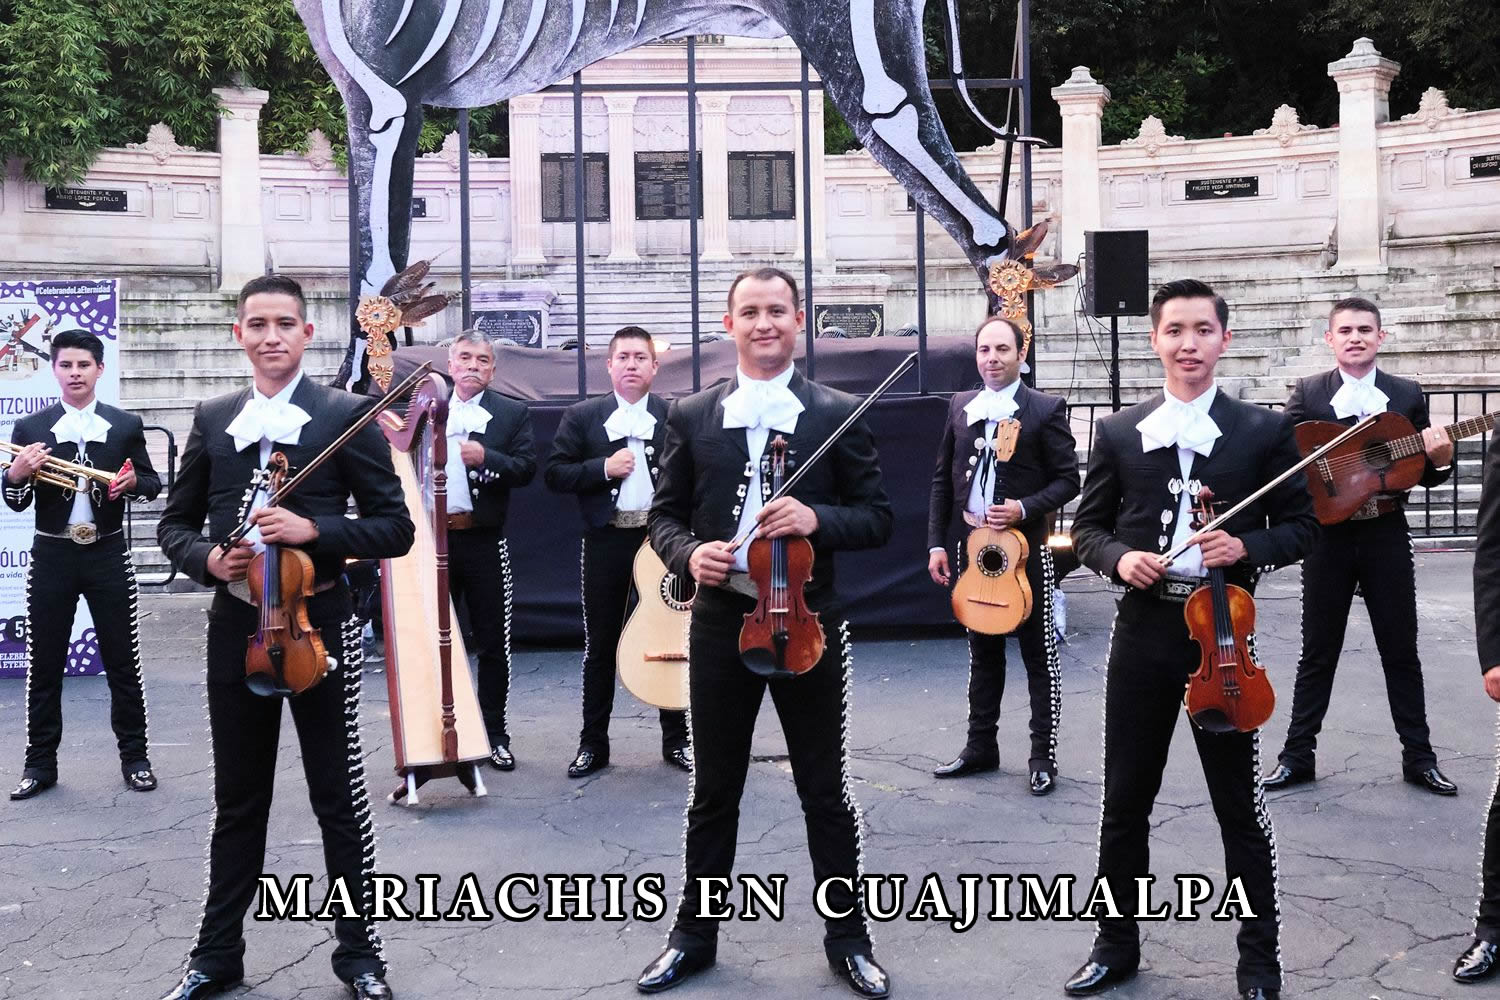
(242, 248)
(1364, 80)
(1081, 99)
(715, 152)
(621, 108)
(526, 180)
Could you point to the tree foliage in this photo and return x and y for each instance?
(80, 75)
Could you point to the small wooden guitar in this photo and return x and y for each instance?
(1385, 457)
(992, 594)
(652, 653)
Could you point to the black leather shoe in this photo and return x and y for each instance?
(1284, 777)
(32, 787)
(1260, 993)
(368, 986)
(671, 968)
(1433, 780)
(196, 985)
(1042, 783)
(586, 763)
(140, 781)
(681, 758)
(1093, 977)
(862, 974)
(1479, 962)
(501, 758)
(964, 764)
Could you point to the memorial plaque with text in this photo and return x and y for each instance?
(557, 187)
(663, 188)
(1487, 165)
(419, 208)
(522, 327)
(857, 319)
(762, 185)
(76, 199)
(1207, 188)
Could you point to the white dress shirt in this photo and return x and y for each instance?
(1358, 397)
(290, 436)
(465, 417)
(1187, 425)
(81, 426)
(633, 423)
(779, 415)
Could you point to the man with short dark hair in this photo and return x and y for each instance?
(80, 551)
(1147, 463)
(1482, 959)
(607, 451)
(234, 435)
(716, 486)
(1371, 552)
(491, 450)
(971, 486)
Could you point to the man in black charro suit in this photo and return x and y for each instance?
(969, 488)
(714, 486)
(1146, 462)
(80, 550)
(607, 451)
(1372, 551)
(234, 435)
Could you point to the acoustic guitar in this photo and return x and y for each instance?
(1385, 457)
(992, 595)
(652, 653)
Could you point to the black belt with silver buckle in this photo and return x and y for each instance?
(1376, 506)
(628, 519)
(1174, 589)
(86, 533)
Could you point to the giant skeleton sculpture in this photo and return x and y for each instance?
(390, 57)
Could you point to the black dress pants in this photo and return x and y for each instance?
(1375, 555)
(606, 562)
(59, 573)
(245, 731)
(479, 574)
(725, 698)
(1150, 658)
(1487, 922)
(1037, 638)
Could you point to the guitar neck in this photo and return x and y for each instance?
(1411, 444)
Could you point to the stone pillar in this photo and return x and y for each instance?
(714, 147)
(1081, 99)
(621, 109)
(819, 187)
(1364, 80)
(242, 250)
(526, 180)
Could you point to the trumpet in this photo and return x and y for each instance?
(61, 473)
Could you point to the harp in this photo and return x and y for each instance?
(436, 727)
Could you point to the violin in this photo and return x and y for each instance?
(781, 637)
(286, 655)
(993, 595)
(1229, 692)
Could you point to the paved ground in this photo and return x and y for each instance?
(102, 887)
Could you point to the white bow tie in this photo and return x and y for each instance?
(467, 417)
(990, 405)
(271, 419)
(762, 404)
(1178, 424)
(1358, 399)
(80, 427)
(630, 422)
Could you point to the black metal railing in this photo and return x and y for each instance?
(169, 478)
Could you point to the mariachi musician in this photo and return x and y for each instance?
(714, 485)
(491, 448)
(80, 550)
(1482, 958)
(234, 435)
(1039, 478)
(1371, 551)
(608, 451)
(1135, 507)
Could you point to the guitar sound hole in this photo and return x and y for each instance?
(677, 593)
(1377, 455)
(992, 561)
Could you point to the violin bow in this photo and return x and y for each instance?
(1312, 457)
(859, 410)
(385, 403)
